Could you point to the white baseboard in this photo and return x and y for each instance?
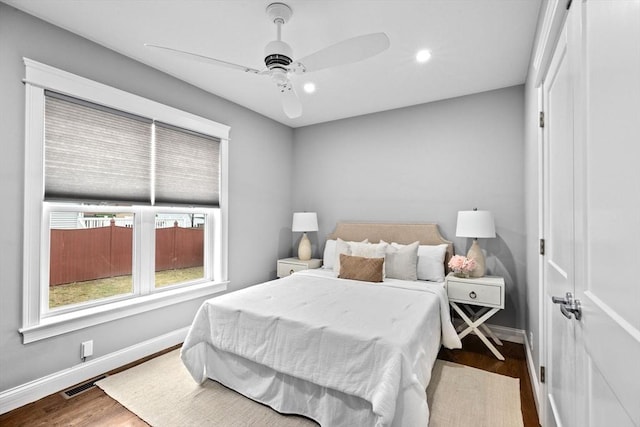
(42, 387)
(508, 334)
(533, 376)
(503, 332)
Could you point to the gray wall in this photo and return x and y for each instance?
(425, 163)
(260, 159)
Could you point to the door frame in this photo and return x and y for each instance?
(554, 19)
(542, 289)
(551, 272)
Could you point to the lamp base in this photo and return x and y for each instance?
(476, 253)
(304, 249)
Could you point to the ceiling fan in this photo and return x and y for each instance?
(279, 62)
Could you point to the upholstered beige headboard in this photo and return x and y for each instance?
(426, 234)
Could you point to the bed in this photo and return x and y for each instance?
(339, 351)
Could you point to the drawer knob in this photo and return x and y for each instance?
(291, 271)
(472, 295)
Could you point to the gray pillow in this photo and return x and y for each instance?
(401, 261)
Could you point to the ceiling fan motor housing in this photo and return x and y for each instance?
(277, 54)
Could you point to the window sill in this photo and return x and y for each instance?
(61, 324)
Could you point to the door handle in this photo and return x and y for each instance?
(568, 299)
(574, 309)
(568, 306)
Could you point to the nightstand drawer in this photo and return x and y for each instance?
(285, 268)
(474, 293)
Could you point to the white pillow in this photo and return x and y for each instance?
(368, 250)
(431, 262)
(329, 256)
(343, 247)
(401, 261)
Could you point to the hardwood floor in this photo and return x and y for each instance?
(95, 408)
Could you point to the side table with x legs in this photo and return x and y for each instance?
(476, 300)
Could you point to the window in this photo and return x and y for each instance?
(125, 204)
(90, 256)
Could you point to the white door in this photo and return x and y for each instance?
(559, 234)
(601, 350)
(608, 208)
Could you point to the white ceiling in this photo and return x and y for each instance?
(476, 45)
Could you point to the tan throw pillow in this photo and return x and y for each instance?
(360, 268)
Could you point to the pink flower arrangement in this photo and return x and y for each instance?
(461, 264)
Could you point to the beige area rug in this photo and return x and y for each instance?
(162, 393)
(460, 395)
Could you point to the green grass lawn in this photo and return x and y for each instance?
(73, 293)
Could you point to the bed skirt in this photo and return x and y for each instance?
(290, 395)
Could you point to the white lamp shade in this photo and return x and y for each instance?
(305, 221)
(476, 224)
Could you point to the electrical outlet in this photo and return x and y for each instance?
(86, 349)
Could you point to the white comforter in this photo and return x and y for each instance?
(368, 340)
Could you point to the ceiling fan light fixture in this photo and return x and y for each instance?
(279, 59)
(280, 77)
(277, 54)
(423, 56)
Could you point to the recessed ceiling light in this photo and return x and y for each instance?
(309, 87)
(423, 56)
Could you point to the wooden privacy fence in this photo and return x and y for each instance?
(97, 253)
(178, 247)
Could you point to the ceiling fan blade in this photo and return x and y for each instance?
(345, 52)
(206, 59)
(290, 101)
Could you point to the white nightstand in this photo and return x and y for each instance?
(486, 292)
(288, 266)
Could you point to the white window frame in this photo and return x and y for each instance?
(39, 322)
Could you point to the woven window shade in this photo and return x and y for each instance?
(94, 153)
(187, 167)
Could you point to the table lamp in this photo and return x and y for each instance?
(303, 222)
(476, 224)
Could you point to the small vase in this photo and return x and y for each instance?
(461, 274)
